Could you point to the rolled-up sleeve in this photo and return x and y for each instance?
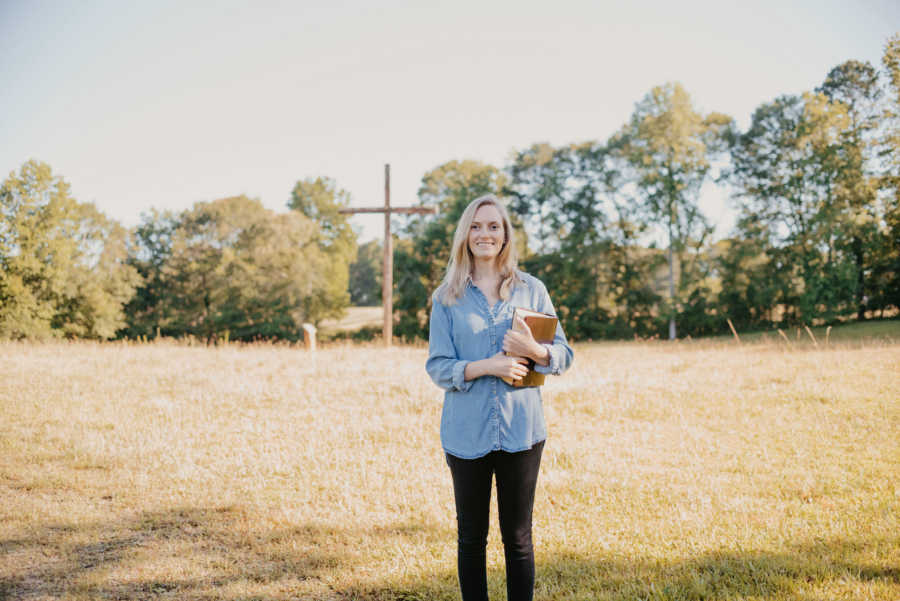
(444, 366)
(561, 354)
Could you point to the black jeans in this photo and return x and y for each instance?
(516, 480)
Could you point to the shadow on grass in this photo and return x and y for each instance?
(223, 554)
(794, 574)
(217, 553)
(818, 571)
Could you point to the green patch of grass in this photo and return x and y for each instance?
(881, 330)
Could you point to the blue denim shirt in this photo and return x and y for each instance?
(487, 414)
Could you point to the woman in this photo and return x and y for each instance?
(487, 426)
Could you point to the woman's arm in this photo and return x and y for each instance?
(450, 372)
(500, 365)
(444, 366)
(553, 358)
(519, 341)
(560, 354)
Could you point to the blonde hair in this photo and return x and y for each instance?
(459, 269)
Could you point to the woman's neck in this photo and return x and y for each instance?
(485, 271)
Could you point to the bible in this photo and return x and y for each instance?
(543, 328)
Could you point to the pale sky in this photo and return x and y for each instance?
(165, 103)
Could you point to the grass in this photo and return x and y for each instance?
(673, 471)
(859, 332)
(355, 319)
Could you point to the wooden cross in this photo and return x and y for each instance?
(387, 281)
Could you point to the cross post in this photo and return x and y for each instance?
(387, 280)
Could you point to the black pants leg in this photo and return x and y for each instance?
(516, 481)
(517, 475)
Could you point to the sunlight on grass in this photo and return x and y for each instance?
(354, 319)
(687, 470)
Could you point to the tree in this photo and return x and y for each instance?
(64, 270)
(100, 282)
(537, 184)
(321, 200)
(670, 146)
(365, 275)
(34, 253)
(577, 199)
(151, 248)
(787, 168)
(231, 268)
(573, 260)
(854, 86)
(887, 271)
(749, 281)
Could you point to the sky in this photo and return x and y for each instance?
(161, 104)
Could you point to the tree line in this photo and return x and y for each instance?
(615, 230)
(225, 269)
(613, 227)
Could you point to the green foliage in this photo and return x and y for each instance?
(363, 334)
(670, 147)
(366, 274)
(537, 186)
(321, 200)
(150, 250)
(64, 270)
(576, 201)
(886, 276)
(607, 225)
(816, 178)
(748, 289)
(230, 268)
(558, 216)
(854, 87)
(807, 171)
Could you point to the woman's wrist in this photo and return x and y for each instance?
(475, 369)
(541, 354)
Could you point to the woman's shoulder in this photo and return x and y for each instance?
(532, 282)
(441, 295)
(437, 297)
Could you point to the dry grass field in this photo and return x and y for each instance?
(678, 471)
(356, 318)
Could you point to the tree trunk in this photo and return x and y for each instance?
(860, 279)
(672, 333)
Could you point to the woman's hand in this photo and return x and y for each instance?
(520, 342)
(500, 365)
(505, 366)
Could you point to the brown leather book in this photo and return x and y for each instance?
(543, 328)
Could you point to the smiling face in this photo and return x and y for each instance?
(486, 233)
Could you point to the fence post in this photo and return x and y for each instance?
(309, 336)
